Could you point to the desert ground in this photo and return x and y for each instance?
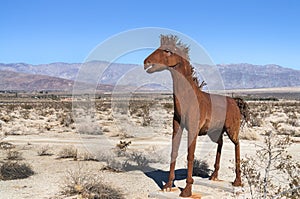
(124, 142)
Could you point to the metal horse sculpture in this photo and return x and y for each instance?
(172, 55)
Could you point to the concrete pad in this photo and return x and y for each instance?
(174, 194)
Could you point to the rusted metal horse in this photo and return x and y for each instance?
(193, 109)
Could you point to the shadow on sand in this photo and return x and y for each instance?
(161, 177)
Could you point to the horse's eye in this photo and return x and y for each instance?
(168, 51)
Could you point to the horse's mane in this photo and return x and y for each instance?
(173, 40)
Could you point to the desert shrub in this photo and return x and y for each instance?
(119, 160)
(201, 168)
(6, 145)
(141, 109)
(48, 127)
(14, 155)
(168, 106)
(5, 118)
(89, 157)
(28, 107)
(88, 185)
(255, 120)
(113, 162)
(139, 158)
(88, 126)
(249, 134)
(68, 152)
(66, 119)
(105, 130)
(116, 165)
(15, 170)
(123, 145)
(272, 172)
(122, 135)
(44, 151)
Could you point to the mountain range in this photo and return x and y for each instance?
(61, 76)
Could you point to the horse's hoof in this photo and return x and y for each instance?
(187, 191)
(237, 183)
(214, 177)
(167, 187)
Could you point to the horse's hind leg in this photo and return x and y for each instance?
(214, 176)
(234, 138)
(237, 181)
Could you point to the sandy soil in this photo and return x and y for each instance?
(149, 130)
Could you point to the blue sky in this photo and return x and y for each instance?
(231, 31)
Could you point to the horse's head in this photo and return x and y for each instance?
(170, 54)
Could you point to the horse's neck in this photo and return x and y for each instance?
(183, 83)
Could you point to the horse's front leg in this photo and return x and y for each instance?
(192, 138)
(176, 138)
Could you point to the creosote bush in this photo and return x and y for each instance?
(88, 185)
(123, 159)
(68, 152)
(89, 157)
(272, 173)
(15, 170)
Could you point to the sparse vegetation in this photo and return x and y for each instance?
(123, 145)
(141, 109)
(14, 155)
(123, 159)
(35, 117)
(6, 145)
(68, 152)
(168, 106)
(89, 157)
(44, 151)
(201, 168)
(272, 172)
(139, 158)
(87, 185)
(11, 170)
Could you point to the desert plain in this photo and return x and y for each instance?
(124, 143)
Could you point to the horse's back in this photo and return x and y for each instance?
(222, 111)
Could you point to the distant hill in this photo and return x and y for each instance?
(236, 76)
(61, 75)
(20, 81)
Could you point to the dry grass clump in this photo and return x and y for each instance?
(201, 168)
(15, 170)
(6, 145)
(5, 118)
(14, 155)
(121, 159)
(249, 134)
(88, 185)
(68, 152)
(122, 135)
(66, 119)
(89, 157)
(140, 159)
(141, 109)
(44, 151)
(168, 106)
(89, 127)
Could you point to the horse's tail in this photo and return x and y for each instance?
(244, 109)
